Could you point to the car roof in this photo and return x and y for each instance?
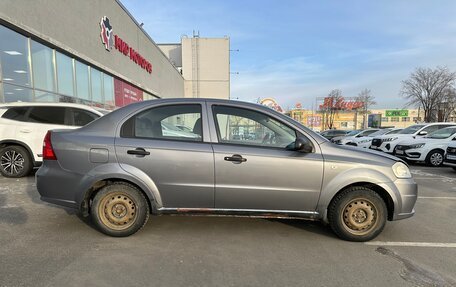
(98, 111)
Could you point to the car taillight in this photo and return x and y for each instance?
(48, 151)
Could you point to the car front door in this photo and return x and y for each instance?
(258, 172)
(179, 162)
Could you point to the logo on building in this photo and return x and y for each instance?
(111, 41)
(106, 33)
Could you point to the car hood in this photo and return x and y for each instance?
(352, 154)
(399, 136)
(424, 140)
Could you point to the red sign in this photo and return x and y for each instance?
(126, 93)
(120, 45)
(340, 104)
(125, 49)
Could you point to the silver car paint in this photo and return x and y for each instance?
(179, 175)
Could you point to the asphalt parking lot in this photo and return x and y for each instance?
(45, 245)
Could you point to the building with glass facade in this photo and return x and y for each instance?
(89, 52)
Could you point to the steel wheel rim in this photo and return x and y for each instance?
(117, 211)
(359, 216)
(436, 159)
(12, 162)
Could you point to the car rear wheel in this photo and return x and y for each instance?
(15, 161)
(435, 158)
(357, 214)
(119, 209)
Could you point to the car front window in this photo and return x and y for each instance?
(242, 126)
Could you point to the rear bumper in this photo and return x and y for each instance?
(58, 186)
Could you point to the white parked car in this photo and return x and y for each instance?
(353, 135)
(365, 142)
(24, 125)
(429, 149)
(387, 143)
(450, 155)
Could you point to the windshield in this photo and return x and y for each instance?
(393, 132)
(353, 133)
(443, 133)
(411, 130)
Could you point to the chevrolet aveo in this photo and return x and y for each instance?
(232, 158)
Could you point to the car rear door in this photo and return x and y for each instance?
(259, 173)
(179, 162)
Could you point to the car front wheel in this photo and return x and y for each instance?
(435, 158)
(357, 214)
(15, 161)
(119, 209)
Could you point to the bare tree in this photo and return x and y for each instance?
(426, 87)
(367, 99)
(447, 105)
(331, 106)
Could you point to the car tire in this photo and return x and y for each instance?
(15, 161)
(454, 168)
(119, 209)
(357, 214)
(435, 158)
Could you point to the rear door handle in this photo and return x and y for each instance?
(138, 151)
(25, 131)
(235, 158)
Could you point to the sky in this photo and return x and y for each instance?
(296, 51)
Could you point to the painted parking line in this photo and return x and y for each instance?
(437, 197)
(411, 244)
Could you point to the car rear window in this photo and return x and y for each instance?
(16, 113)
(47, 115)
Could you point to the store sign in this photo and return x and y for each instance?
(109, 40)
(314, 121)
(396, 113)
(126, 94)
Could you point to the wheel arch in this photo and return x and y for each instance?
(9, 142)
(99, 184)
(376, 188)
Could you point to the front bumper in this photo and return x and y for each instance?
(387, 147)
(405, 193)
(411, 154)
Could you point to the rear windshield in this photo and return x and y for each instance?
(411, 129)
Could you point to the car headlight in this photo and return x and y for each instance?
(401, 170)
(365, 141)
(420, 145)
(390, 139)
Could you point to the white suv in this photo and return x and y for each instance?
(24, 125)
(429, 149)
(387, 143)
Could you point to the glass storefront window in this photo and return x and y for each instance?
(95, 81)
(15, 93)
(42, 96)
(82, 81)
(14, 58)
(64, 74)
(108, 90)
(43, 67)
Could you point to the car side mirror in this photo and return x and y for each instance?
(359, 136)
(422, 133)
(300, 145)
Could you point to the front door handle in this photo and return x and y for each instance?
(235, 158)
(138, 151)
